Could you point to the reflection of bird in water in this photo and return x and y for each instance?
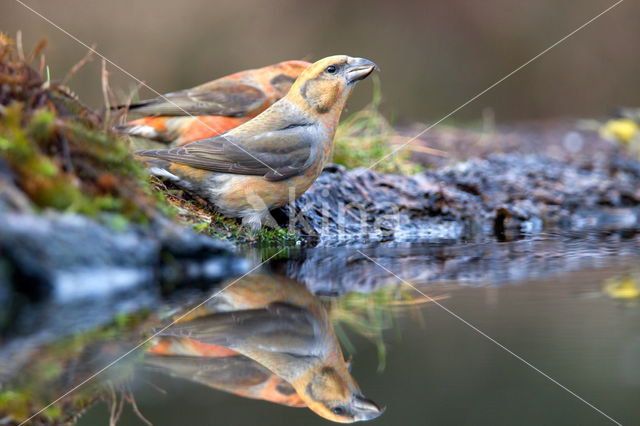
(279, 324)
(235, 374)
(214, 107)
(220, 368)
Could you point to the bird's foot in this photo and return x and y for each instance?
(269, 220)
(254, 222)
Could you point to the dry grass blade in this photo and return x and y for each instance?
(123, 112)
(43, 64)
(132, 400)
(39, 47)
(105, 93)
(19, 47)
(399, 141)
(115, 406)
(88, 57)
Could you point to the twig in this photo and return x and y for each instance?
(43, 64)
(134, 405)
(88, 57)
(36, 51)
(422, 149)
(113, 407)
(120, 410)
(19, 47)
(66, 154)
(105, 93)
(128, 101)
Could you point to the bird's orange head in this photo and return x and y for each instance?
(325, 85)
(334, 395)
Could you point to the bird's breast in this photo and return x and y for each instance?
(251, 193)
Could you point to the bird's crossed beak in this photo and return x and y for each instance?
(364, 408)
(359, 69)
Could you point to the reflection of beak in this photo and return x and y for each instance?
(365, 409)
(359, 69)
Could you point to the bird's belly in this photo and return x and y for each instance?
(239, 195)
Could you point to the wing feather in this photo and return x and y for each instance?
(276, 155)
(226, 97)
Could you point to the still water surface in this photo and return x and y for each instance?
(569, 306)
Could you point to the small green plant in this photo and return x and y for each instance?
(366, 137)
(223, 227)
(371, 314)
(624, 130)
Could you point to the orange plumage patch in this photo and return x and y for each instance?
(203, 127)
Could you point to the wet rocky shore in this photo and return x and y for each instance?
(490, 197)
(495, 196)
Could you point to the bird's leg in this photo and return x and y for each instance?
(253, 222)
(260, 215)
(269, 220)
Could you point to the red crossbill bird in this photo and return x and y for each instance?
(235, 374)
(220, 368)
(279, 324)
(214, 107)
(273, 158)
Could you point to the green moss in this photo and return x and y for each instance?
(94, 174)
(223, 227)
(198, 214)
(60, 153)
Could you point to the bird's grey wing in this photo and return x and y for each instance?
(276, 154)
(226, 98)
(233, 370)
(279, 328)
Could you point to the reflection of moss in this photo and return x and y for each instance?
(55, 368)
(366, 136)
(370, 314)
(60, 154)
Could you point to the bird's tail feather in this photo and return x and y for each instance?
(143, 131)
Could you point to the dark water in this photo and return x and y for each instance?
(567, 306)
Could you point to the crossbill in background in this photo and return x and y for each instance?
(212, 108)
(280, 325)
(275, 157)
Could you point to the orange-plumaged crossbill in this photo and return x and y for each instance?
(275, 157)
(212, 108)
(279, 324)
(220, 368)
(235, 373)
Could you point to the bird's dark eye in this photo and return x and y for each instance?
(331, 69)
(338, 411)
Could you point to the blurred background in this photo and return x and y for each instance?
(434, 55)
